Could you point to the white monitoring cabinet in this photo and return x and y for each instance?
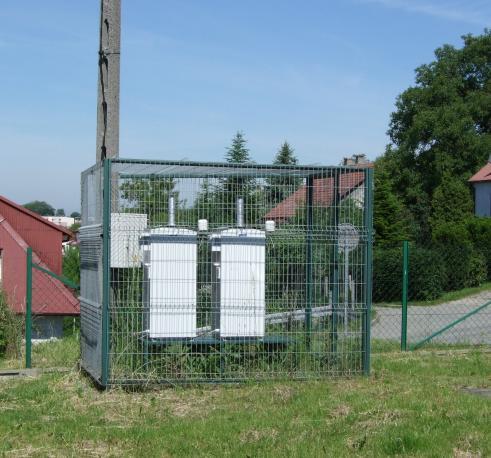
(238, 275)
(169, 286)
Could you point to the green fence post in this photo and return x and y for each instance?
(335, 264)
(405, 281)
(28, 321)
(309, 260)
(367, 317)
(106, 270)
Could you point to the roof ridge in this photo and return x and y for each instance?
(36, 216)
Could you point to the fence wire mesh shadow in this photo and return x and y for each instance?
(221, 272)
(448, 297)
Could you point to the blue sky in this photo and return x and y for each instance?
(321, 74)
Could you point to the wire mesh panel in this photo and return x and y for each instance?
(224, 272)
(91, 271)
(447, 296)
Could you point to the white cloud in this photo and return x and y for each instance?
(474, 12)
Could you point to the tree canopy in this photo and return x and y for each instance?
(441, 130)
(238, 152)
(280, 187)
(40, 207)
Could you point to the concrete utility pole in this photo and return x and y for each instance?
(107, 142)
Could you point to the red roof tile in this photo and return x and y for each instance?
(483, 175)
(50, 296)
(323, 195)
(37, 217)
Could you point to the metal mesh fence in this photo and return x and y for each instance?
(220, 272)
(448, 297)
(42, 298)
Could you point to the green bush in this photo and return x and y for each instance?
(71, 264)
(479, 229)
(427, 274)
(465, 265)
(387, 274)
(10, 329)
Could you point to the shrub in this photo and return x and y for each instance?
(427, 274)
(387, 274)
(479, 229)
(464, 264)
(10, 329)
(71, 264)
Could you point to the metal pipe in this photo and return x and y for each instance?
(405, 283)
(240, 212)
(172, 211)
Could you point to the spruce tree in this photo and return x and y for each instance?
(285, 155)
(281, 187)
(237, 152)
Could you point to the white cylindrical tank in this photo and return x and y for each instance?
(238, 257)
(170, 272)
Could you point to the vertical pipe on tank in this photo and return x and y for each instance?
(240, 211)
(172, 211)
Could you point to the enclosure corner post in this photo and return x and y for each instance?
(106, 275)
(28, 320)
(368, 269)
(335, 262)
(308, 273)
(405, 280)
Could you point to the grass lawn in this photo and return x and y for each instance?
(411, 405)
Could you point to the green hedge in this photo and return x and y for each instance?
(387, 274)
(10, 329)
(426, 280)
(479, 229)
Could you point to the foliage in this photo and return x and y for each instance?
(280, 187)
(427, 278)
(390, 219)
(75, 215)
(428, 274)
(149, 195)
(441, 126)
(387, 274)
(238, 152)
(71, 264)
(451, 202)
(465, 266)
(75, 227)
(60, 212)
(479, 229)
(40, 207)
(217, 198)
(10, 329)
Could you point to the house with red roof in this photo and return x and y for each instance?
(351, 184)
(21, 228)
(482, 190)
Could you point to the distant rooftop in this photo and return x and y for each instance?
(483, 175)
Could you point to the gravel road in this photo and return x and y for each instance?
(425, 320)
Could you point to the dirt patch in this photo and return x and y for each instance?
(256, 435)
(484, 392)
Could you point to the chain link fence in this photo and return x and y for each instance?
(445, 299)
